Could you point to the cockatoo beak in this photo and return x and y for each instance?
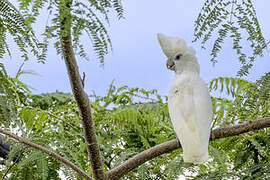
(165, 44)
(170, 64)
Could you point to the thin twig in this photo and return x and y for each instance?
(19, 71)
(9, 168)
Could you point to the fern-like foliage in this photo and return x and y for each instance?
(130, 120)
(263, 84)
(244, 156)
(245, 100)
(14, 24)
(33, 164)
(232, 86)
(220, 19)
(13, 93)
(88, 19)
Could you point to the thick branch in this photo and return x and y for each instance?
(50, 153)
(171, 145)
(240, 129)
(78, 92)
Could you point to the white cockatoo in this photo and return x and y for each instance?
(189, 102)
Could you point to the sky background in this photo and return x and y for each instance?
(137, 59)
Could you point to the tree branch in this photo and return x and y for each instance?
(78, 91)
(50, 153)
(171, 145)
(240, 129)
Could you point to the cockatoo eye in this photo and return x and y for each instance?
(178, 56)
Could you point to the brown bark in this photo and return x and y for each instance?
(78, 92)
(50, 153)
(240, 129)
(171, 145)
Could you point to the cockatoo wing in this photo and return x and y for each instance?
(189, 103)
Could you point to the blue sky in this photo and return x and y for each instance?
(137, 60)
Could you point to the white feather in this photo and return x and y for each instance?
(189, 101)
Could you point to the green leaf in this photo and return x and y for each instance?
(28, 115)
(42, 117)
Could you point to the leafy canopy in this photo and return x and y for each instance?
(14, 24)
(130, 120)
(87, 19)
(236, 19)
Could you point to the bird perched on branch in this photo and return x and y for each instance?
(189, 101)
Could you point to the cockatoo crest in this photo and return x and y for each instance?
(171, 46)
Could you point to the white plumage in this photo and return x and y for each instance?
(189, 101)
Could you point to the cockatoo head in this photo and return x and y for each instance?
(177, 52)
